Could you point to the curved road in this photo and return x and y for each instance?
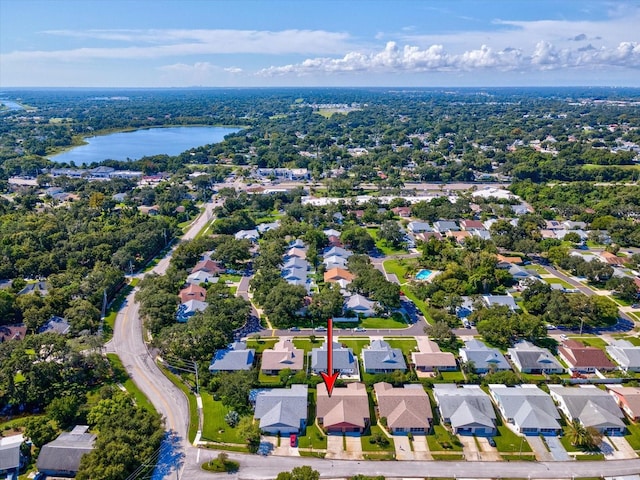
(185, 461)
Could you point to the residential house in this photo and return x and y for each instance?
(251, 235)
(360, 305)
(265, 227)
(471, 225)
(201, 277)
(56, 325)
(297, 243)
(521, 274)
(335, 274)
(467, 409)
(591, 406)
(379, 357)
(209, 266)
(520, 209)
(331, 232)
(334, 241)
(282, 410)
(296, 252)
(40, 287)
(407, 409)
(612, 259)
(296, 263)
(529, 358)
(344, 361)
(583, 359)
(430, 358)
(402, 212)
(11, 458)
(528, 409)
(553, 225)
(507, 262)
(500, 300)
(192, 292)
(571, 225)
(283, 355)
(459, 236)
(189, 309)
(484, 359)
(627, 398)
(625, 354)
(339, 251)
(334, 261)
(61, 457)
(12, 332)
(233, 358)
(419, 227)
(426, 236)
(443, 226)
(345, 411)
(294, 275)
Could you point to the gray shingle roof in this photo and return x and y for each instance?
(531, 357)
(10, 452)
(343, 358)
(625, 354)
(482, 356)
(380, 356)
(592, 406)
(238, 357)
(65, 452)
(282, 406)
(467, 405)
(527, 405)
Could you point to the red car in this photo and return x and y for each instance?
(293, 440)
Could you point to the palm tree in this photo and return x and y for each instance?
(584, 437)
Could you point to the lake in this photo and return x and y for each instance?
(139, 143)
(10, 105)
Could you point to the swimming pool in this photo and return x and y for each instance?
(423, 274)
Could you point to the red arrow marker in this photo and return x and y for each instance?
(330, 377)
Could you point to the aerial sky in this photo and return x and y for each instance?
(227, 43)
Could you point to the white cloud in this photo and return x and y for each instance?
(167, 43)
(411, 58)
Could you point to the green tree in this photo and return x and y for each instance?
(249, 431)
(40, 430)
(64, 410)
(391, 233)
(304, 472)
(327, 303)
(585, 437)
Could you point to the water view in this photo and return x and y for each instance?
(140, 143)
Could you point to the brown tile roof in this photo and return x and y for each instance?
(425, 236)
(406, 407)
(579, 356)
(193, 292)
(12, 332)
(629, 397)
(459, 236)
(208, 266)
(348, 405)
(513, 260)
(433, 359)
(283, 355)
(335, 274)
(612, 258)
(467, 224)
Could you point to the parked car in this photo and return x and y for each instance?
(294, 329)
(359, 329)
(320, 329)
(293, 440)
(492, 442)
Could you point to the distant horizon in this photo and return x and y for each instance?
(315, 43)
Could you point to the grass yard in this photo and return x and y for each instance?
(356, 344)
(383, 246)
(633, 340)
(306, 344)
(536, 268)
(524, 457)
(379, 322)
(193, 406)
(454, 457)
(396, 267)
(367, 446)
(215, 428)
(554, 280)
(509, 442)
(260, 345)
(123, 377)
(407, 345)
(313, 438)
(443, 440)
(422, 305)
(593, 341)
(633, 435)
(230, 277)
(452, 377)
(268, 379)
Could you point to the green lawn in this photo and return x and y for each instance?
(230, 277)
(306, 344)
(422, 305)
(122, 376)
(558, 281)
(507, 441)
(396, 267)
(356, 344)
(407, 345)
(260, 345)
(536, 268)
(452, 377)
(372, 447)
(443, 440)
(313, 438)
(382, 245)
(592, 341)
(634, 340)
(215, 428)
(454, 457)
(379, 322)
(268, 379)
(633, 435)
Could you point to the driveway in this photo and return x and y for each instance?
(558, 451)
(403, 448)
(421, 448)
(334, 446)
(487, 452)
(354, 448)
(622, 449)
(539, 449)
(470, 448)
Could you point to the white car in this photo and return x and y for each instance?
(359, 329)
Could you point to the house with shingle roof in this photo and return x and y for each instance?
(360, 305)
(233, 358)
(282, 410)
(335, 274)
(192, 292)
(344, 361)
(484, 359)
(379, 357)
(627, 398)
(345, 411)
(591, 406)
(419, 227)
(209, 266)
(529, 358)
(61, 457)
(625, 354)
(251, 235)
(200, 276)
(584, 359)
(11, 458)
(466, 408)
(472, 225)
(339, 251)
(430, 358)
(500, 300)
(530, 410)
(283, 355)
(407, 409)
(189, 309)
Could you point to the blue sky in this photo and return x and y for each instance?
(168, 43)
